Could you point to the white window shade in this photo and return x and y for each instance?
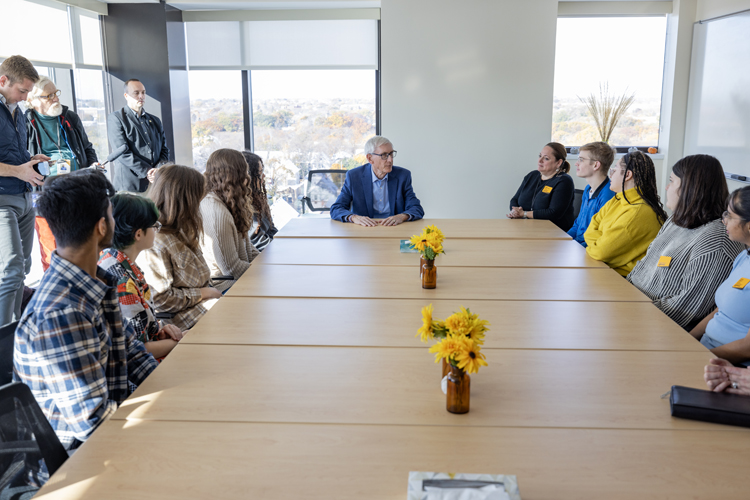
(46, 43)
(336, 44)
(214, 45)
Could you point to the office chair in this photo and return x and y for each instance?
(7, 334)
(577, 200)
(324, 190)
(26, 438)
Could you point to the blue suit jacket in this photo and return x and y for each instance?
(356, 195)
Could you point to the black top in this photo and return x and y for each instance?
(79, 142)
(556, 204)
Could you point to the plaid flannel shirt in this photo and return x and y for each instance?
(72, 350)
(176, 274)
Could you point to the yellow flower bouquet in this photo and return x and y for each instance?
(460, 338)
(429, 242)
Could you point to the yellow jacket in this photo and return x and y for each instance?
(620, 233)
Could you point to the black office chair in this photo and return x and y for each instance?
(322, 191)
(30, 451)
(577, 200)
(7, 334)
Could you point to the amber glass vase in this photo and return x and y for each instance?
(421, 264)
(446, 369)
(429, 274)
(459, 391)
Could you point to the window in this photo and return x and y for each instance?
(310, 119)
(19, 15)
(90, 104)
(215, 113)
(624, 53)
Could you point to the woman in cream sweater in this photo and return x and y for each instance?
(227, 216)
(620, 233)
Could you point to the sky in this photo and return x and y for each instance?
(291, 84)
(626, 52)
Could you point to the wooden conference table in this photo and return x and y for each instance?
(306, 381)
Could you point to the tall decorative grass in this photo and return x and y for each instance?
(606, 109)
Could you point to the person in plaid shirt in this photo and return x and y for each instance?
(136, 224)
(71, 346)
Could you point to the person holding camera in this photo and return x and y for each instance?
(17, 176)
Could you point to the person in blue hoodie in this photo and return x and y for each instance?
(594, 160)
(17, 175)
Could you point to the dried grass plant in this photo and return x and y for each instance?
(607, 109)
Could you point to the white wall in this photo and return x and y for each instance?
(467, 97)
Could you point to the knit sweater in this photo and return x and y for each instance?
(701, 259)
(227, 252)
(620, 233)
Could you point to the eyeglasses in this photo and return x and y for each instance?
(727, 216)
(581, 158)
(52, 95)
(385, 156)
(157, 226)
(612, 171)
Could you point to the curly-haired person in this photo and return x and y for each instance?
(227, 215)
(620, 233)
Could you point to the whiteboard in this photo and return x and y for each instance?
(718, 112)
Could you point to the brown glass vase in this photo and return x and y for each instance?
(446, 369)
(429, 274)
(459, 391)
(421, 263)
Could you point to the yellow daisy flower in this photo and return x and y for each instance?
(426, 331)
(433, 230)
(469, 357)
(458, 323)
(446, 348)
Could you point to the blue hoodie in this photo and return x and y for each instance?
(589, 208)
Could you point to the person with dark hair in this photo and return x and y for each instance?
(547, 192)
(227, 216)
(174, 267)
(726, 330)
(141, 136)
(18, 175)
(136, 224)
(72, 347)
(263, 229)
(692, 254)
(620, 233)
(594, 160)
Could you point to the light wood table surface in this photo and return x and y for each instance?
(458, 283)
(396, 386)
(452, 228)
(126, 460)
(458, 252)
(393, 323)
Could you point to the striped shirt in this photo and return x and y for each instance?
(701, 259)
(73, 351)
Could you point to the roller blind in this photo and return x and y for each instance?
(335, 44)
(51, 44)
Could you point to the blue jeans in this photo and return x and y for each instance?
(16, 242)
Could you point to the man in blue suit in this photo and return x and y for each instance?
(377, 190)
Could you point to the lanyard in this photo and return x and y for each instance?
(65, 137)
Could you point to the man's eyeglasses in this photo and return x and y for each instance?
(157, 226)
(385, 156)
(581, 158)
(52, 95)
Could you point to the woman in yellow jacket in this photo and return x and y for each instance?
(620, 233)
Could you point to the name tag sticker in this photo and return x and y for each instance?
(547, 189)
(664, 261)
(742, 283)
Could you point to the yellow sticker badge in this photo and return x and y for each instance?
(742, 283)
(547, 189)
(664, 261)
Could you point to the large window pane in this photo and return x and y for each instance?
(625, 53)
(310, 119)
(91, 37)
(90, 103)
(215, 113)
